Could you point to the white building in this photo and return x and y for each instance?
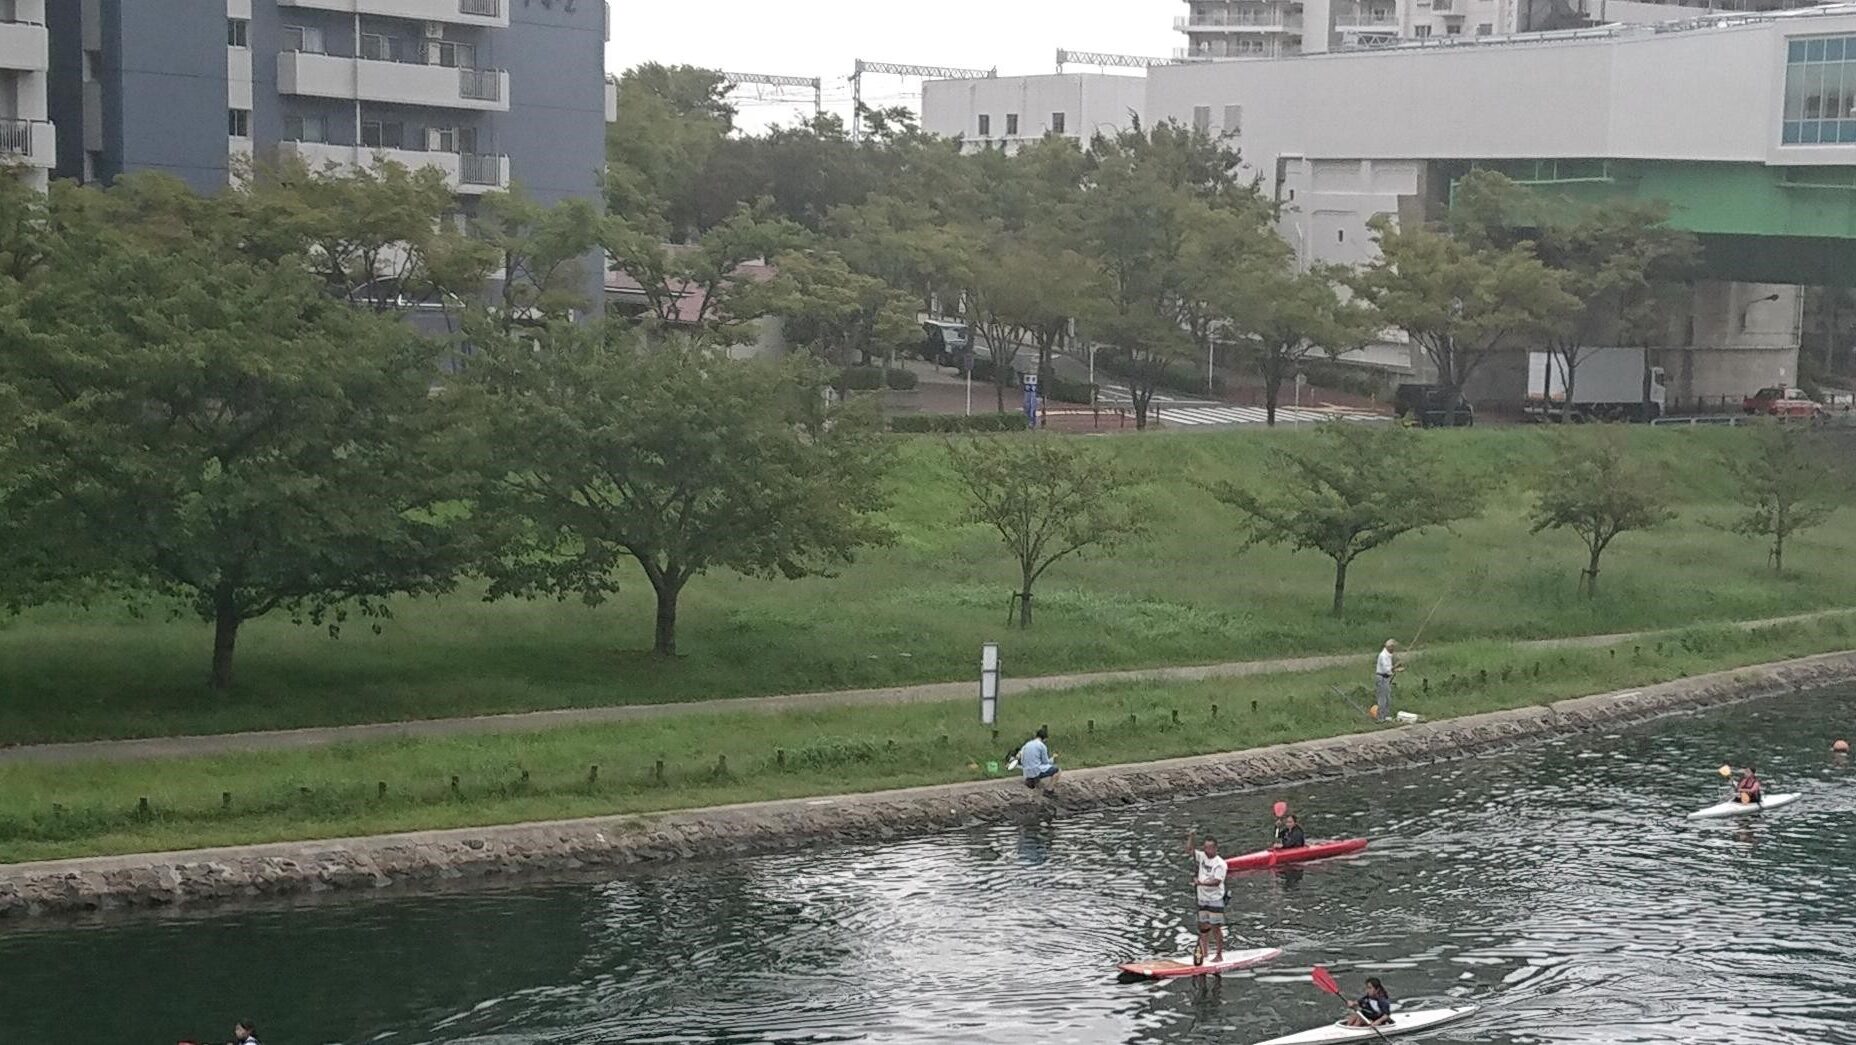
(1745, 124)
(26, 137)
(1006, 112)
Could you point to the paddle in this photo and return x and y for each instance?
(1325, 981)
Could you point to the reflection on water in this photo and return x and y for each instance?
(1559, 886)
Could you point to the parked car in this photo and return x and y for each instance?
(944, 343)
(1780, 401)
(1426, 405)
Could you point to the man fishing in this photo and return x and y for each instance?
(1383, 669)
(1208, 882)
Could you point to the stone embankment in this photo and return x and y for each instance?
(593, 844)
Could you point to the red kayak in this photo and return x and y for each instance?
(1267, 858)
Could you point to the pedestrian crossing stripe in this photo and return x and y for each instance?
(1237, 415)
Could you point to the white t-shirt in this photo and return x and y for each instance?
(1211, 869)
(1385, 662)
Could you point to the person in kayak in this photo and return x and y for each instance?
(244, 1032)
(1289, 834)
(1208, 881)
(1374, 1009)
(1749, 789)
(1035, 760)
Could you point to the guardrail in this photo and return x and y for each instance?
(16, 137)
(484, 85)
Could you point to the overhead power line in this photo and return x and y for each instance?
(776, 80)
(932, 72)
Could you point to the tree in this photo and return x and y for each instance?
(673, 457)
(1780, 479)
(216, 429)
(690, 286)
(843, 317)
(540, 256)
(1591, 486)
(1355, 488)
(671, 120)
(1049, 498)
(1459, 301)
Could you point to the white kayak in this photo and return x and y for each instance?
(1736, 808)
(1401, 1023)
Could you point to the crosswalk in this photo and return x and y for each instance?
(1243, 415)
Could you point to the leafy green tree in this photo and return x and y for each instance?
(1592, 486)
(1461, 302)
(1353, 488)
(691, 286)
(1781, 480)
(677, 459)
(1290, 317)
(841, 316)
(671, 121)
(217, 429)
(542, 256)
(1049, 498)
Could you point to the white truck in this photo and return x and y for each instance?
(1609, 384)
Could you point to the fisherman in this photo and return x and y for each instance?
(1374, 1009)
(1035, 760)
(1208, 880)
(1749, 789)
(1289, 834)
(1383, 670)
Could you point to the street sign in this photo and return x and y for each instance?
(989, 684)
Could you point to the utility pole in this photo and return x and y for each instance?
(775, 80)
(936, 72)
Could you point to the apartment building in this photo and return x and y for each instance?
(491, 92)
(27, 142)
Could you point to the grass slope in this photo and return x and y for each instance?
(919, 609)
(49, 811)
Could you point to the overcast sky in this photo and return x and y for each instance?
(822, 37)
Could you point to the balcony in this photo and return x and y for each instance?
(491, 13)
(1265, 21)
(400, 83)
(468, 174)
(32, 142)
(22, 46)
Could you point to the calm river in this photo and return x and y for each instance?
(1558, 886)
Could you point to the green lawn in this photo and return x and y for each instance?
(80, 809)
(919, 609)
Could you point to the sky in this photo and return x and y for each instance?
(823, 37)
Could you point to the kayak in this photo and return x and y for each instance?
(1402, 1023)
(1266, 858)
(1166, 968)
(1733, 808)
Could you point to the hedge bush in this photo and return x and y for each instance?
(901, 380)
(871, 378)
(1007, 422)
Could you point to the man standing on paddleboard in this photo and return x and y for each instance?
(1208, 882)
(1383, 670)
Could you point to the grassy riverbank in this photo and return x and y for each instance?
(49, 811)
(919, 609)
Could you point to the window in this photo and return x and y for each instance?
(382, 134)
(1202, 118)
(238, 123)
(238, 32)
(1420, 31)
(1011, 124)
(450, 54)
(310, 128)
(985, 125)
(376, 47)
(1820, 91)
(1485, 29)
(1453, 30)
(1056, 123)
(441, 139)
(1233, 119)
(303, 38)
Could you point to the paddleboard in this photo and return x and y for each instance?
(1266, 858)
(1402, 1023)
(1733, 808)
(1166, 968)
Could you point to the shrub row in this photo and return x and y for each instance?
(1006, 422)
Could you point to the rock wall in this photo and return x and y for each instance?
(565, 847)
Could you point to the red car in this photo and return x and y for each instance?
(1780, 401)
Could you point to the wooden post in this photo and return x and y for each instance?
(141, 806)
(225, 799)
(380, 789)
(454, 784)
(592, 775)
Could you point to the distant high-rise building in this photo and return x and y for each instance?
(27, 141)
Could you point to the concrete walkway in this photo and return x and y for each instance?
(536, 721)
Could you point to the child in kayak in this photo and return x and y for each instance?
(1374, 1009)
(1289, 834)
(1749, 789)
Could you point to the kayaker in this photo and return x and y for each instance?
(1749, 788)
(1035, 760)
(1289, 834)
(1208, 881)
(1383, 669)
(1374, 1009)
(244, 1032)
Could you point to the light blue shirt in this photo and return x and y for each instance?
(1034, 758)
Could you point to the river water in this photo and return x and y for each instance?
(1557, 886)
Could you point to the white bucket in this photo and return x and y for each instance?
(1406, 718)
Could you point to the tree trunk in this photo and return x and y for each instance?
(1272, 394)
(998, 383)
(665, 643)
(1340, 586)
(1572, 374)
(1591, 574)
(1024, 602)
(225, 639)
(1778, 553)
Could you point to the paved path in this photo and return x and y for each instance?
(535, 721)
